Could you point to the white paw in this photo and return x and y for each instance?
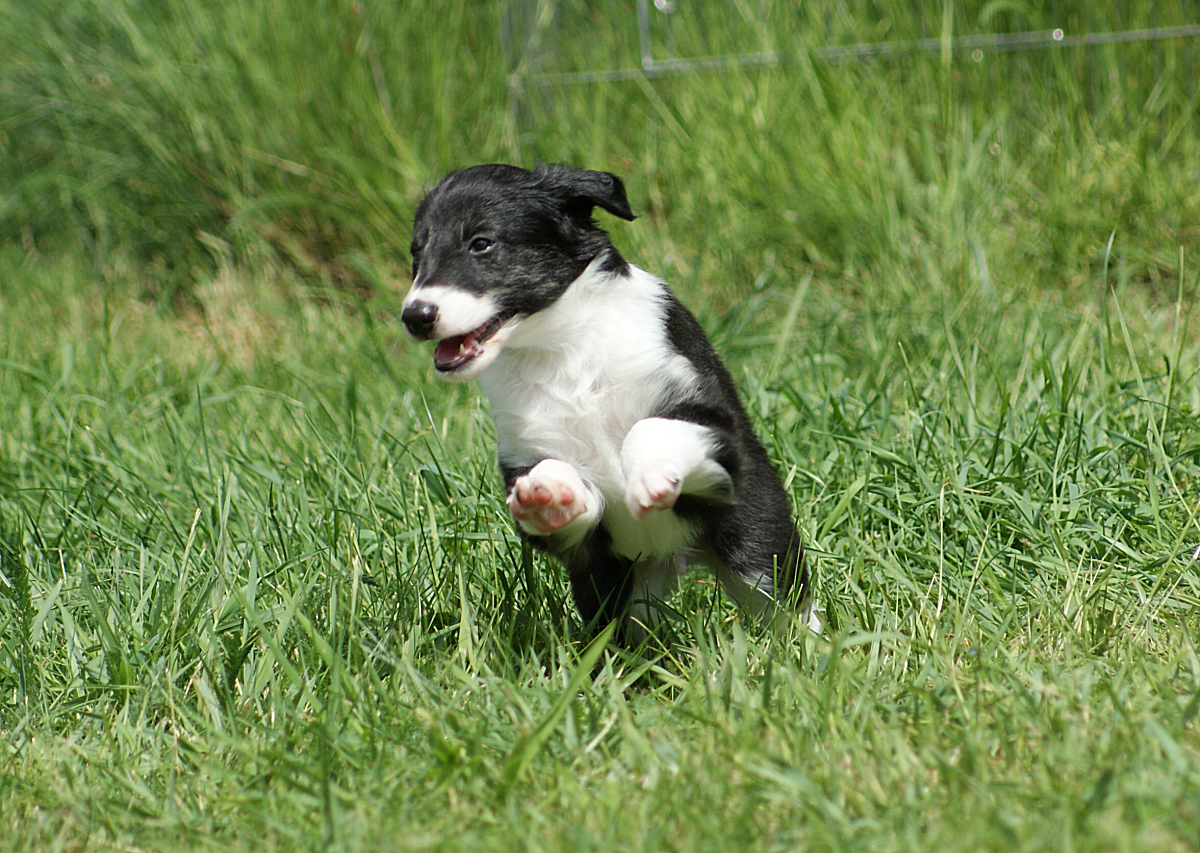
(656, 487)
(548, 498)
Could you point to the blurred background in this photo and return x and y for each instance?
(884, 145)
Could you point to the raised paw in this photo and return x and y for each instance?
(655, 488)
(548, 498)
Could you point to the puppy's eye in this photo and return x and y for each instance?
(481, 245)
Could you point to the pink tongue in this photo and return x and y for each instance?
(447, 350)
(455, 351)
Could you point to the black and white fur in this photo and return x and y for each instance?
(623, 445)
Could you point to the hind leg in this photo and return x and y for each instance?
(653, 581)
(765, 574)
(601, 584)
(608, 587)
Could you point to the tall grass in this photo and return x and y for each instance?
(196, 134)
(260, 590)
(188, 133)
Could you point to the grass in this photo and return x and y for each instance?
(260, 590)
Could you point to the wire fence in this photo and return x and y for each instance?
(540, 18)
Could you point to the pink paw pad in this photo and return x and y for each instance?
(654, 490)
(543, 505)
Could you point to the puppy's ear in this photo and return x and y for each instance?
(583, 190)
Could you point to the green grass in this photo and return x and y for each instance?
(258, 586)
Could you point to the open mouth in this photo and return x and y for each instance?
(460, 350)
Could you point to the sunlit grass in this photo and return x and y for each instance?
(260, 590)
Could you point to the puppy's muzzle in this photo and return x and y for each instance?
(420, 318)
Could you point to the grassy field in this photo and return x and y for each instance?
(258, 586)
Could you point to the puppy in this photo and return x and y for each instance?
(623, 446)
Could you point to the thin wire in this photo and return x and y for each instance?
(1003, 43)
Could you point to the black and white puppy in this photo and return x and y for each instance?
(623, 445)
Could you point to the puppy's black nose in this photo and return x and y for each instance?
(419, 317)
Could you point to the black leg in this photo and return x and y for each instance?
(758, 543)
(601, 584)
(789, 575)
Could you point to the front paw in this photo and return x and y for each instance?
(653, 488)
(548, 498)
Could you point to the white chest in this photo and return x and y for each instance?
(579, 414)
(571, 382)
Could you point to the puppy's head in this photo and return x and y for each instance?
(495, 244)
